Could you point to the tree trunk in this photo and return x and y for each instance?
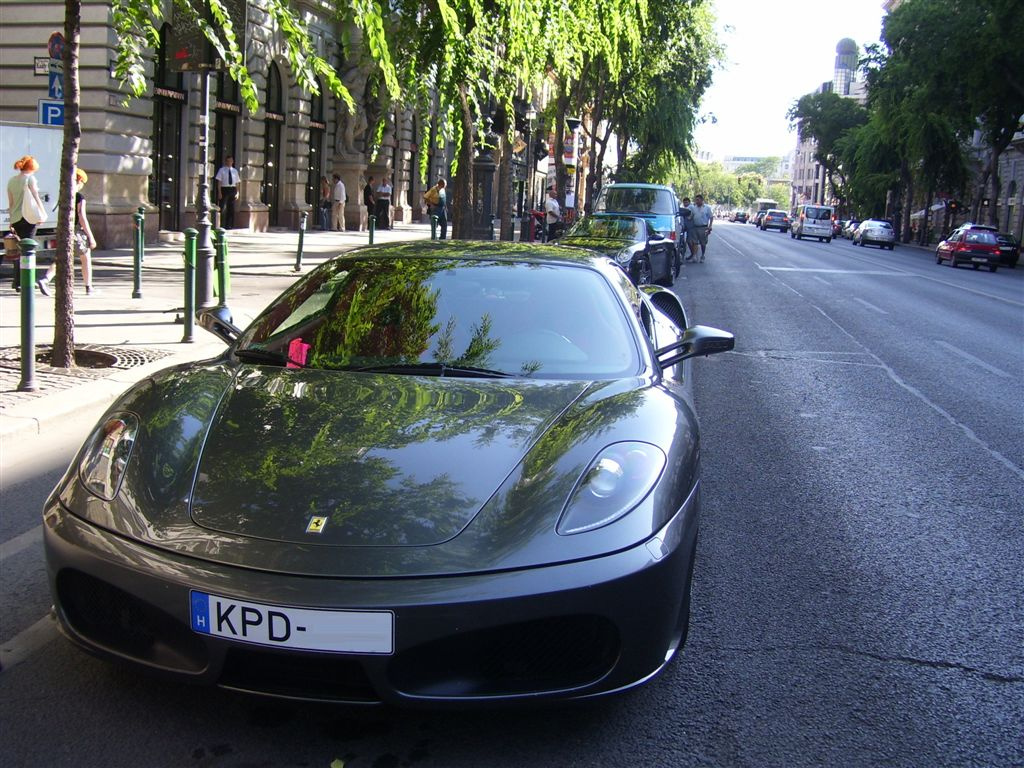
(922, 234)
(596, 165)
(561, 107)
(505, 201)
(63, 305)
(462, 182)
(993, 205)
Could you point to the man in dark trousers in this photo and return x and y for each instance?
(383, 198)
(227, 185)
(368, 199)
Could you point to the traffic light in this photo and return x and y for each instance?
(953, 206)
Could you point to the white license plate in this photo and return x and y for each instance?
(300, 628)
(980, 261)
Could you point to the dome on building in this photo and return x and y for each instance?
(846, 46)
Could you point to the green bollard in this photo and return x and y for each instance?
(190, 284)
(222, 266)
(373, 226)
(139, 246)
(433, 227)
(302, 235)
(142, 233)
(27, 266)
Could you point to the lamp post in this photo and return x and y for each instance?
(531, 163)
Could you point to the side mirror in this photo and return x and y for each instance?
(697, 340)
(218, 321)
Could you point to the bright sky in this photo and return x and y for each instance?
(775, 52)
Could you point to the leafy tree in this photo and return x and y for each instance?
(825, 118)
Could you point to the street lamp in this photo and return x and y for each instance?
(531, 164)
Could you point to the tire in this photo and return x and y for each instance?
(976, 267)
(952, 261)
(938, 257)
(792, 234)
(828, 239)
(992, 267)
(892, 246)
(800, 236)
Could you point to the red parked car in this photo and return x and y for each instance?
(977, 247)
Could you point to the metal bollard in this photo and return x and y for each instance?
(222, 266)
(302, 235)
(140, 245)
(433, 227)
(142, 231)
(373, 226)
(190, 284)
(27, 266)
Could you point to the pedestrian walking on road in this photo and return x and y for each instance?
(18, 186)
(82, 241)
(340, 195)
(227, 186)
(702, 218)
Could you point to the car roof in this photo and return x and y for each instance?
(972, 225)
(535, 253)
(642, 184)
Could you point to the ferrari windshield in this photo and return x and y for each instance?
(610, 227)
(447, 317)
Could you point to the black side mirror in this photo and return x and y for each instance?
(218, 321)
(697, 340)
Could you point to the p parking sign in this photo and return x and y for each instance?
(51, 112)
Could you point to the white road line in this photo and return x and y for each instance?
(869, 305)
(885, 273)
(971, 358)
(823, 281)
(24, 644)
(723, 240)
(21, 542)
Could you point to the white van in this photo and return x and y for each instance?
(813, 221)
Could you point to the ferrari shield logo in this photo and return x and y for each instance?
(316, 524)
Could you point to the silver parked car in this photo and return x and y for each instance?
(875, 232)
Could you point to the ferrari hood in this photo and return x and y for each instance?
(364, 460)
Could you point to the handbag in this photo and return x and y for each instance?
(31, 211)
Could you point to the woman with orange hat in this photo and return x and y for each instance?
(82, 240)
(20, 184)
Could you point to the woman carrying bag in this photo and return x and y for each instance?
(25, 205)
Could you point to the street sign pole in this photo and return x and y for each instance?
(204, 245)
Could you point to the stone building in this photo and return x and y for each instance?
(146, 153)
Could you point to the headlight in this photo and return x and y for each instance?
(618, 479)
(102, 467)
(624, 257)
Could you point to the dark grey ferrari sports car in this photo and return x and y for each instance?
(427, 474)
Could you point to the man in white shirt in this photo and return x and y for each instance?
(701, 218)
(338, 197)
(227, 191)
(552, 213)
(382, 195)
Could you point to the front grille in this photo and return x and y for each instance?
(115, 620)
(554, 654)
(305, 676)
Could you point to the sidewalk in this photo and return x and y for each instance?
(134, 337)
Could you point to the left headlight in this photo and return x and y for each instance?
(615, 482)
(110, 447)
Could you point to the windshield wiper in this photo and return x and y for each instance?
(434, 369)
(254, 355)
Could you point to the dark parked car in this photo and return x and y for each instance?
(740, 216)
(430, 473)
(975, 246)
(1009, 248)
(645, 255)
(656, 203)
(774, 219)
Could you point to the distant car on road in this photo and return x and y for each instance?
(775, 219)
(756, 220)
(813, 221)
(643, 253)
(1009, 247)
(875, 232)
(740, 216)
(849, 227)
(975, 246)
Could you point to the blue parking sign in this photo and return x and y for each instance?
(51, 112)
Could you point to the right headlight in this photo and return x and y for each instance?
(624, 257)
(614, 483)
(101, 469)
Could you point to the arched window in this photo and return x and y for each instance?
(273, 125)
(227, 110)
(169, 99)
(317, 132)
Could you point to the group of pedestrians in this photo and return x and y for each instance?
(27, 212)
(697, 221)
(334, 197)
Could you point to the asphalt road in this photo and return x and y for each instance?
(859, 593)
